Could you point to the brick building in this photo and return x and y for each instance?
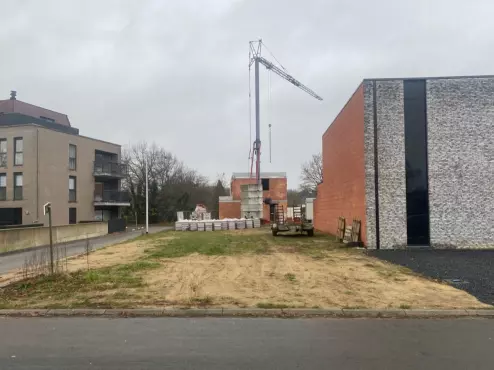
(414, 160)
(274, 186)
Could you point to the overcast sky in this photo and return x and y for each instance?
(176, 72)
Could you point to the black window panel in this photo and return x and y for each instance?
(265, 184)
(72, 215)
(417, 186)
(10, 216)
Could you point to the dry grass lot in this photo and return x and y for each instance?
(232, 269)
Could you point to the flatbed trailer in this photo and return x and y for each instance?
(297, 223)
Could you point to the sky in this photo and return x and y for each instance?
(176, 72)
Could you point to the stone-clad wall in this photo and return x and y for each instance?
(460, 119)
(370, 200)
(391, 164)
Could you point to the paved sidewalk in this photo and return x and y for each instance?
(15, 261)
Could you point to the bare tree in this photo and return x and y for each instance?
(311, 175)
(172, 186)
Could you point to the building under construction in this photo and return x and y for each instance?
(274, 191)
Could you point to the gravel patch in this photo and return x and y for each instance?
(468, 270)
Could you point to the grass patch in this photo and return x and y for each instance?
(290, 277)
(231, 243)
(405, 306)
(271, 305)
(201, 301)
(61, 288)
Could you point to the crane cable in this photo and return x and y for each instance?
(250, 114)
(269, 112)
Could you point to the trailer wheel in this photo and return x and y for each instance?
(310, 232)
(275, 232)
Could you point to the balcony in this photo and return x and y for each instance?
(112, 198)
(110, 169)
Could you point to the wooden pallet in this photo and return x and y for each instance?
(340, 233)
(352, 233)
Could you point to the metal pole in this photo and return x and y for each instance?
(51, 241)
(270, 143)
(258, 123)
(147, 198)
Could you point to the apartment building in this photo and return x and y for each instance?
(44, 159)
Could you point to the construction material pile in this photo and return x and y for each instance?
(214, 225)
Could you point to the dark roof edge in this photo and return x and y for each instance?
(342, 109)
(427, 78)
(62, 132)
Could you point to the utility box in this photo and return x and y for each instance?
(309, 209)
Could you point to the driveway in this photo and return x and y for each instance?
(469, 270)
(14, 261)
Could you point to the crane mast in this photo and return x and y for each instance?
(256, 59)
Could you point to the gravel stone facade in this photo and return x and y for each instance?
(391, 164)
(460, 119)
(370, 200)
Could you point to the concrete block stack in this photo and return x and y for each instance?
(208, 225)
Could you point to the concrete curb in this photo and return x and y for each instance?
(248, 312)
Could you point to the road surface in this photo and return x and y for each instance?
(14, 261)
(260, 344)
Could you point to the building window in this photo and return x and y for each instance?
(72, 157)
(72, 216)
(3, 152)
(265, 184)
(18, 151)
(72, 189)
(3, 186)
(18, 183)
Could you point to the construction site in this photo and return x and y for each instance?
(255, 195)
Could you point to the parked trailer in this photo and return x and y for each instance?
(298, 222)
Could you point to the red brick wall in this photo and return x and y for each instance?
(229, 210)
(342, 192)
(277, 188)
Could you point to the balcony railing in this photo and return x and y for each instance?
(110, 169)
(112, 196)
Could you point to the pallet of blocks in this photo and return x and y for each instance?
(208, 225)
(185, 226)
(231, 225)
(217, 225)
(257, 222)
(193, 226)
(224, 225)
(178, 226)
(249, 223)
(200, 226)
(240, 224)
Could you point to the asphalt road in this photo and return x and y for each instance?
(261, 344)
(14, 261)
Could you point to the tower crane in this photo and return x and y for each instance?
(256, 59)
